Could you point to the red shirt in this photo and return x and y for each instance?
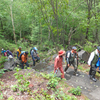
(58, 62)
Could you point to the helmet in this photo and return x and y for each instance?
(2, 49)
(35, 48)
(7, 50)
(26, 52)
(74, 48)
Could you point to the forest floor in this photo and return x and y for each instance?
(38, 85)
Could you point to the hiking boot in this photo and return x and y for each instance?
(94, 79)
(75, 74)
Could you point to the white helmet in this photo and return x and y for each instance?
(35, 48)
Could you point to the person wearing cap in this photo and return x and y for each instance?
(4, 52)
(9, 53)
(58, 63)
(94, 56)
(70, 59)
(19, 52)
(35, 56)
(24, 59)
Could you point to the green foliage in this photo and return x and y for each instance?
(80, 67)
(71, 98)
(1, 96)
(3, 59)
(98, 75)
(75, 91)
(22, 83)
(89, 46)
(23, 44)
(52, 83)
(7, 45)
(2, 72)
(14, 88)
(10, 98)
(53, 80)
(87, 70)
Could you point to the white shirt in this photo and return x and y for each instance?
(92, 56)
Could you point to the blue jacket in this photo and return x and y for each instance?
(3, 51)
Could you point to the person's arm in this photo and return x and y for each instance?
(67, 60)
(55, 63)
(11, 53)
(32, 55)
(17, 54)
(90, 58)
(37, 55)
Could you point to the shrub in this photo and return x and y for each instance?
(75, 91)
(53, 83)
(2, 72)
(89, 46)
(3, 59)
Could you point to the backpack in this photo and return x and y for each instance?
(67, 54)
(20, 56)
(31, 50)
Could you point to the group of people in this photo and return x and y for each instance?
(72, 58)
(6, 53)
(22, 56)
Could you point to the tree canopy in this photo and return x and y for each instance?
(62, 22)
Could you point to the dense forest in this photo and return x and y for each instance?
(49, 25)
(52, 22)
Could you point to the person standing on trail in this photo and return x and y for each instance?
(4, 52)
(19, 52)
(58, 63)
(35, 55)
(94, 56)
(71, 57)
(24, 59)
(9, 53)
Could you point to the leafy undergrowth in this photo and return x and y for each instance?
(28, 84)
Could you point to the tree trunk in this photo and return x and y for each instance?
(47, 21)
(56, 17)
(89, 4)
(13, 22)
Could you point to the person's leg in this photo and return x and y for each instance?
(62, 72)
(37, 58)
(27, 64)
(90, 71)
(33, 61)
(22, 65)
(75, 66)
(54, 70)
(93, 72)
(66, 68)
